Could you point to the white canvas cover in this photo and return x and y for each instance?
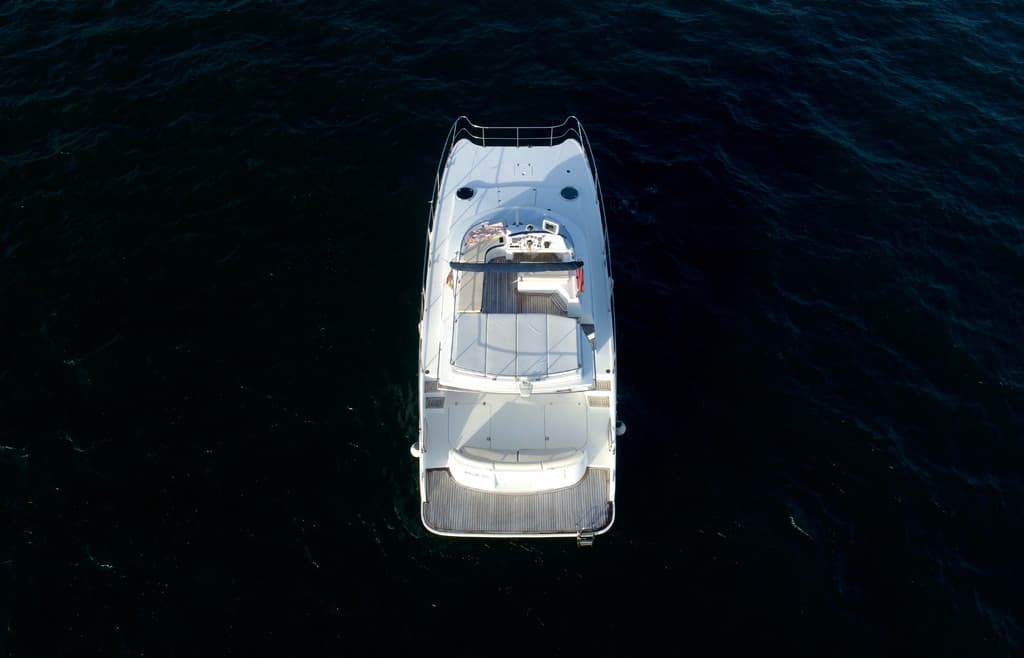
(533, 345)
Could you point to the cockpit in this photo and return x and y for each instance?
(520, 267)
(517, 284)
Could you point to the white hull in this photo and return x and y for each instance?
(517, 377)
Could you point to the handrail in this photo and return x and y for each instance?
(448, 143)
(600, 196)
(607, 243)
(517, 135)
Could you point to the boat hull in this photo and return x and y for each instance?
(517, 381)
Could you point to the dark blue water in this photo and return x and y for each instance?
(211, 228)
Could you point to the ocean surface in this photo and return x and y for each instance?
(212, 217)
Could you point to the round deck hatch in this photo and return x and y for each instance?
(465, 192)
(570, 192)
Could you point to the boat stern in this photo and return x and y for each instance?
(454, 510)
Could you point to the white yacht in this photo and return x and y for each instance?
(517, 339)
